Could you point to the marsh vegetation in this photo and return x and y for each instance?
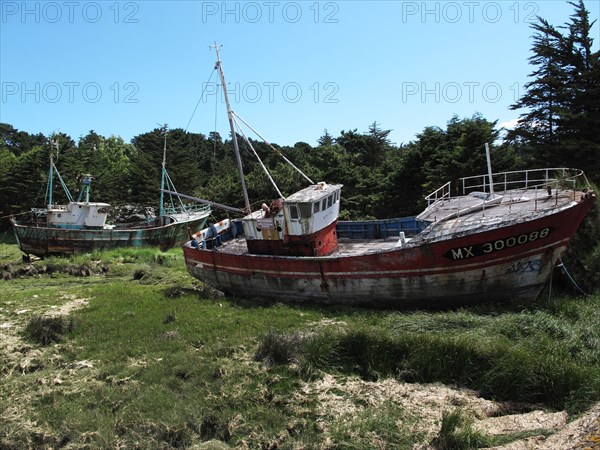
(134, 353)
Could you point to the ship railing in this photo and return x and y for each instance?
(439, 194)
(558, 179)
(379, 229)
(189, 209)
(542, 182)
(59, 207)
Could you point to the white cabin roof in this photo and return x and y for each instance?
(60, 208)
(313, 193)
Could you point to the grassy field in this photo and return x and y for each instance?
(125, 350)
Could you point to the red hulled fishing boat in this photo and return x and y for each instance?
(499, 239)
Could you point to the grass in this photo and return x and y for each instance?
(45, 330)
(457, 433)
(153, 362)
(8, 250)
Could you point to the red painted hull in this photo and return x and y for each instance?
(320, 243)
(507, 262)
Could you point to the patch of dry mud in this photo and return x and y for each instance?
(339, 399)
(580, 434)
(14, 351)
(26, 372)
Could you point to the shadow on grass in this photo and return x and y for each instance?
(545, 357)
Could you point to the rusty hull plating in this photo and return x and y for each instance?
(472, 249)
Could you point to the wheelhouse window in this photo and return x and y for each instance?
(317, 207)
(294, 214)
(305, 210)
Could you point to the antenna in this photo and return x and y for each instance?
(165, 129)
(54, 146)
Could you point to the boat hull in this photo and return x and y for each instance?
(510, 261)
(43, 241)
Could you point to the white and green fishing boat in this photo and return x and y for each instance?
(80, 226)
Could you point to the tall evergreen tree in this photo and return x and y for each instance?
(545, 93)
(561, 125)
(580, 124)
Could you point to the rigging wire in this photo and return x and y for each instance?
(550, 286)
(273, 148)
(562, 265)
(201, 97)
(256, 154)
(215, 132)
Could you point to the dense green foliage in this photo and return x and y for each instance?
(380, 179)
(457, 434)
(561, 125)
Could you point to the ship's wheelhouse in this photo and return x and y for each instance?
(302, 224)
(78, 215)
(312, 209)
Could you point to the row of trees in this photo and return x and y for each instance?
(560, 127)
(380, 179)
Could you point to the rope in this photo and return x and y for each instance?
(15, 215)
(216, 115)
(550, 286)
(274, 149)
(562, 265)
(200, 99)
(257, 157)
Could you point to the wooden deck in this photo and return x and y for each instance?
(346, 247)
(515, 203)
(450, 217)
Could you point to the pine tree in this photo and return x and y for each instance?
(545, 94)
(562, 124)
(579, 126)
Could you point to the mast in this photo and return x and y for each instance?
(50, 176)
(162, 177)
(50, 187)
(489, 164)
(233, 135)
(53, 144)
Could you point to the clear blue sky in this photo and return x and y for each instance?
(294, 68)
